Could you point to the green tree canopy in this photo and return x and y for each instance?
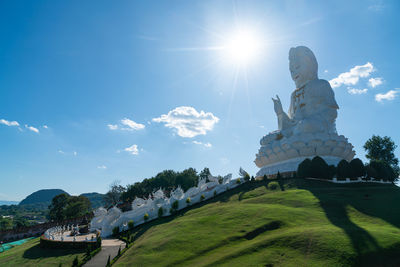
(57, 207)
(167, 179)
(65, 207)
(381, 149)
(204, 173)
(113, 196)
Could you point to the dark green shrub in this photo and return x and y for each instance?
(202, 197)
(146, 217)
(265, 178)
(304, 169)
(75, 262)
(343, 169)
(175, 205)
(88, 250)
(98, 241)
(371, 172)
(115, 231)
(331, 171)
(357, 168)
(319, 168)
(252, 178)
(273, 185)
(238, 181)
(131, 225)
(160, 212)
(382, 170)
(119, 251)
(188, 200)
(215, 193)
(247, 177)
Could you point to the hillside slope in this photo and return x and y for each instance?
(310, 223)
(42, 196)
(96, 199)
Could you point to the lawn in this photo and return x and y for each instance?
(302, 223)
(30, 254)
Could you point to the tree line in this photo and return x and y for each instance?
(168, 180)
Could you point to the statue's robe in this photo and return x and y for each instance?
(313, 108)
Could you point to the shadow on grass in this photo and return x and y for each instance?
(371, 199)
(37, 252)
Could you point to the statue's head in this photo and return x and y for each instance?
(303, 65)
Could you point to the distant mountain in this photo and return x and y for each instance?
(96, 199)
(5, 202)
(43, 196)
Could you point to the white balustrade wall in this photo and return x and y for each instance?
(105, 220)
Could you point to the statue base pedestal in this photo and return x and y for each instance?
(291, 165)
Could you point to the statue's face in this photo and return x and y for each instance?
(302, 68)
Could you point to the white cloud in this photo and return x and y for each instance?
(355, 91)
(112, 126)
(374, 82)
(31, 128)
(132, 125)
(75, 153)
(376, 6)
(103, 167)
(132, 150)
(353, 76)
(61, 152)
(390, 95)
(9, 123)
(45, 126)
(188, 122)
(126, 125)
(208, 145)
(326, 71)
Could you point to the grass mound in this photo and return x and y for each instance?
(302, 223)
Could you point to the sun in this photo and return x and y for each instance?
(242, 47)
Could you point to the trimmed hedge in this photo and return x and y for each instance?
(304, 169)
(343, 169)
(47, 243)
(357, 168)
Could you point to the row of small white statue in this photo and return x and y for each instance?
(148, 209)
(59, 230)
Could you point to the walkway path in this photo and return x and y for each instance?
(108, 247)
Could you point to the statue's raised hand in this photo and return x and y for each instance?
(277, 105)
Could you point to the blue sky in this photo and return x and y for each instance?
(94, 91)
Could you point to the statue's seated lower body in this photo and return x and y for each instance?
(284, 154)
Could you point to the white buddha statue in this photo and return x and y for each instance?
(308, 129)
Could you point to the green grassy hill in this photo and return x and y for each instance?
(30, 254)
(302, 223)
